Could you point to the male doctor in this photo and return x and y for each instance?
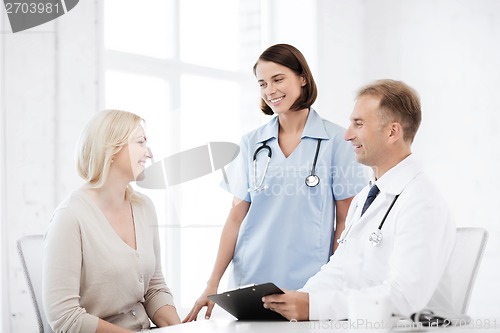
(404, 259)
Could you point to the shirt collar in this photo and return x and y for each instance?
(396, 178)
(314, 128)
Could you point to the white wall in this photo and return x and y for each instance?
(3, 257)
(49, 90)
(28, 113)
(340, 52)
(292, 22)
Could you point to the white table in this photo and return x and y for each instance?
(233, 326)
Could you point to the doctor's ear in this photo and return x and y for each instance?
(396, 131)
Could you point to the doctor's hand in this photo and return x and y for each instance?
(200, 303)
(293, 305)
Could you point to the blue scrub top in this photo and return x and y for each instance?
(287, 233)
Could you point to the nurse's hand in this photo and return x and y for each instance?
(293, 305)
(200, 303)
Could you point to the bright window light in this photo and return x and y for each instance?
(139, 27)
(209, 110)
(185, 107)
(148, 98)
(207, 39)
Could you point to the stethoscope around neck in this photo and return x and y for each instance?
(312, 180)
(376, 236)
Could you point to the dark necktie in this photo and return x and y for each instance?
(371, 196)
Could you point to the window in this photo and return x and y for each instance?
(126, 25)
(185, 67)
(201, 33)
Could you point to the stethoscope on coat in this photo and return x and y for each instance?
(376, 236)
(312, 180)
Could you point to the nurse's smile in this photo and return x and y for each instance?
(276, 101)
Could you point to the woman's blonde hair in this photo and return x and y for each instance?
(105, 135)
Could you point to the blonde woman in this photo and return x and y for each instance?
(101, 266)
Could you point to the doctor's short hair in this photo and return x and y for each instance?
(290, 57)
(398, 102)
(106, 133)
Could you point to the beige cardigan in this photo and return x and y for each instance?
(90, 273)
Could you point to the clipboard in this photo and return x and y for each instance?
(246, 303)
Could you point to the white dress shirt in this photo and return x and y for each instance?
(407, 265)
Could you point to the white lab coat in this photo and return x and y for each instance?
(407, 265)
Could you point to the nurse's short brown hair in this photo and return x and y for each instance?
(290, 57)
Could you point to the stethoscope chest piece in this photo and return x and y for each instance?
(312, 180)
(376, 237)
